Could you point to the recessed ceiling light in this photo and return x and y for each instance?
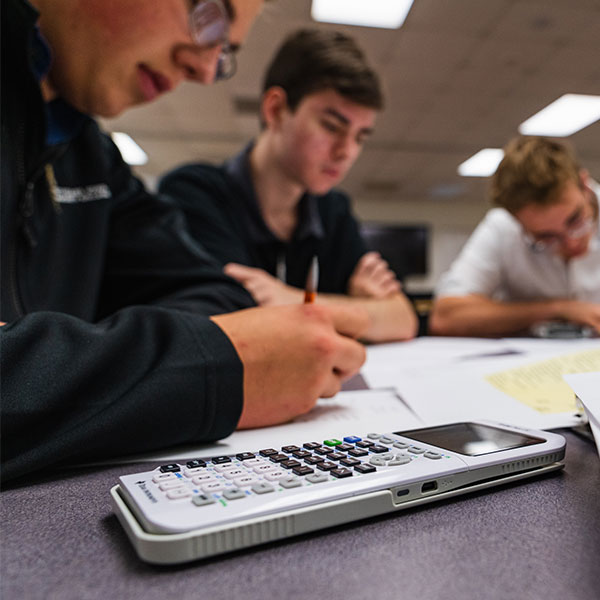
(387, 14)
(132, 154)
(482, 164)
(564, 116)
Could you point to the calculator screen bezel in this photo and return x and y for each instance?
(471, 439)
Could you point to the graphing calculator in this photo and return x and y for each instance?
(208, 506)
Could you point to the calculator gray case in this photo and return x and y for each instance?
(182, 532)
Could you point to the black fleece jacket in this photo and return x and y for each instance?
(107, 348)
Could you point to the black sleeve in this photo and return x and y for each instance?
(154, 258)
(211, 202)
(142, 379)
(149, 369)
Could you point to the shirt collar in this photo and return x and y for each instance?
(309, 223)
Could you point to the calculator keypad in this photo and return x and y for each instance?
(223, 479)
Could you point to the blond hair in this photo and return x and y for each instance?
(534, 170)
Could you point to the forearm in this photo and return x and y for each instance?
(480, 316)
(392, 318)
(143, 379)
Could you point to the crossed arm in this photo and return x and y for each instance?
(476, 315)
(372, 287)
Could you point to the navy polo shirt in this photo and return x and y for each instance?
(223, 214)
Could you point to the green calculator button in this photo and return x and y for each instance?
(332, 442)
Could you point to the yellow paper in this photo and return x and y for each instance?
(541, 386)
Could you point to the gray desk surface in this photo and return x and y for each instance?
(539, 539)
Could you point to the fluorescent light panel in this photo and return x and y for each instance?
(564, 116)
(132, 154)
(387, 14)
(482, 164)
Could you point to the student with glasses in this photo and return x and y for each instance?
(111, 338)
(535, 258)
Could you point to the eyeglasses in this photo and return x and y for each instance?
(551, 241)
(209, 26)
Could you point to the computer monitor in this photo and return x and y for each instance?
(404, 247)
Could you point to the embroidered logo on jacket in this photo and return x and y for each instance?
(89, 193)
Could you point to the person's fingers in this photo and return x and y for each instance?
(348, 362)
(240, 272)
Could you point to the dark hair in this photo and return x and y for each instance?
(312, 60)
(533, 171)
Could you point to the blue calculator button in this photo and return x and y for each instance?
(351, 439)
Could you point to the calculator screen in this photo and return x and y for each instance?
(471, 439)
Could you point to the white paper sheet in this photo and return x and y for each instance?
(444, 379)
(587, 388)
(356, 412)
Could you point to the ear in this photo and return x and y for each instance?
(273, 105)
(584, 178)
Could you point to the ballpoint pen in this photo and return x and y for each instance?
(312, 281)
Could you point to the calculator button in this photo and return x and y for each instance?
(303, 470)
(290, 482)
(213, 486)
(326, 466)
(226, 467)
(387, 455)
(245, 481)
(332, 442)
(245, 455)
(200, 479)
(289, 464)
(416, 450)
(432, 455)
(275, 475)
(264, 468)
(311, 445)
(219, 460)
(171, 468)
(336, 456)
(324, 451)
(377, 461)
(202, 500)
(301, 454)
(352, 439)
(193, 472)
(401, 445)
(385, 439)
(277, 458)
(254, 462)
(378, 449)
(364, 469)
(341, 473)
(350, 462)
(289, 449)
(314, 460)
(344, 447)
(233, 494)
(171, 484)
(180, 492)
(164, 477)
(399, 460)
(233, 473)
(194, 464)
(317, 477)
(364, 444)
(373, 436)
(357, 452)
(262, 488)
(268, 452)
